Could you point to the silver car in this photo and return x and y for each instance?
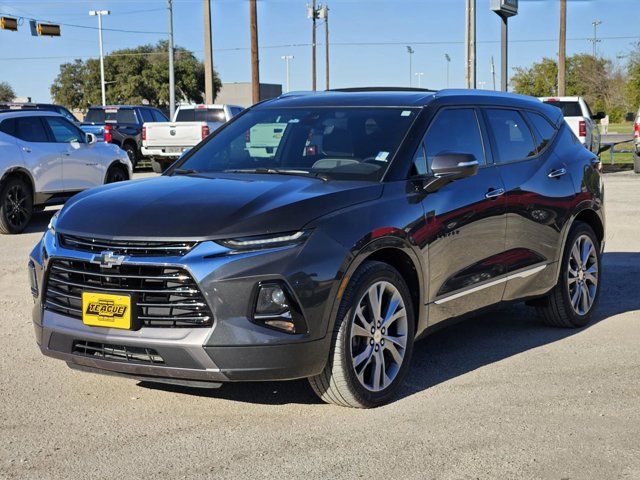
(44, 159)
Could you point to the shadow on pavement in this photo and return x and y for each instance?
(39, 221)
(465, 346)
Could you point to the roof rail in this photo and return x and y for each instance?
(382, 89)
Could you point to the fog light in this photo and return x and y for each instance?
(275, 308)
(271, 300)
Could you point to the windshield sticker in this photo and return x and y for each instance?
(405, 113)
(382, 156)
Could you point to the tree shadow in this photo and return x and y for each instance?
(463, 347)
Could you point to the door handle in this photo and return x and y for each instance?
(66, 154)
(91, 164)
(557, 173)
(26, 149)
(494, 193)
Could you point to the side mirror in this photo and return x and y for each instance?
(91, 138)
(447, 167)
(598, 116)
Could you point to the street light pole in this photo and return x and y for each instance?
(99, 14)
(208, 54)
(419, 75)
(287, 59)
(410, 51)
(314, 16)
(172, 79)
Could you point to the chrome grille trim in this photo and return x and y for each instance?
(161, 296)
(133, 248)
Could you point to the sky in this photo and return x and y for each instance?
(368, 38)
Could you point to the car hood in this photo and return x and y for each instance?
(214, 206)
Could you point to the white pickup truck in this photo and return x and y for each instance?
(578, 116)
(164, 142)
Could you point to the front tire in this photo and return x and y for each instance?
(132, 153)
(16, 206)
(372, 340)
(574, 298)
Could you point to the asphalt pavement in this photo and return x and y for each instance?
(497, 396)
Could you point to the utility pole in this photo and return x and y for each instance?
(562, 50)
(208, 55)
(419, 75)
(99, 14)
(314, 16)
(493, 72)
(410, 51)
(470, 43)
(324, 13)
(287, 59)
(255, 61)
(448, 59)
(172, 79)
(595, 40)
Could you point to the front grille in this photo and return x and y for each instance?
(161, 296)
(119, 353)
(122, 247)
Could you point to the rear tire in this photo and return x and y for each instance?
(157, 166)
(370, 352)
(16, 206)
(574, 298)
(132, 153)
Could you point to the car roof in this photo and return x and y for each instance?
(405, 97)
(27, 113)
(107, 107)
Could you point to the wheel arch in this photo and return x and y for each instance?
(22, 173)
(397, 252)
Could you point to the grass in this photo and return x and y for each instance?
(625, 127)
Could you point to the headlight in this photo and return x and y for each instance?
(265, 241)
(52, 223)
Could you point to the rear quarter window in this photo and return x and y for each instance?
(543, 129)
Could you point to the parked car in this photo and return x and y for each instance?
(47, 107)
(164, 142)
(44, 159)
(325, 260)
(122, 126)
(578, 116)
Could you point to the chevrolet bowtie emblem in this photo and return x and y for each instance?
(107, 259)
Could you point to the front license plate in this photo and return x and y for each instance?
(106, 310)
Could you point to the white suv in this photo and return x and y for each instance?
(44, 159)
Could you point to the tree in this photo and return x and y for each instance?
(633, 82)
(6, 92)
(135, 75)
(597, 80)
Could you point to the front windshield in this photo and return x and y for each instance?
(335, 143)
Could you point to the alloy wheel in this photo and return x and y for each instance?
(379, 336)
(15, 206)
(116, 175)
(582, 275)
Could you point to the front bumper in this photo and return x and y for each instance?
(233, 349)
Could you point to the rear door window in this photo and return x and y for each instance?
(511, 135)
(63, 131)
(454, 130)
(31, 129)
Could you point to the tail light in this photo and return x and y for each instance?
(144, 133)
(247, 136)
(205, 131)
(582, 128)
(636, 129)
(108, 137)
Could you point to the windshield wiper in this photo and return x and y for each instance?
(184, 171)
(278, 171)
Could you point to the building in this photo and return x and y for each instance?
(240, 93)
